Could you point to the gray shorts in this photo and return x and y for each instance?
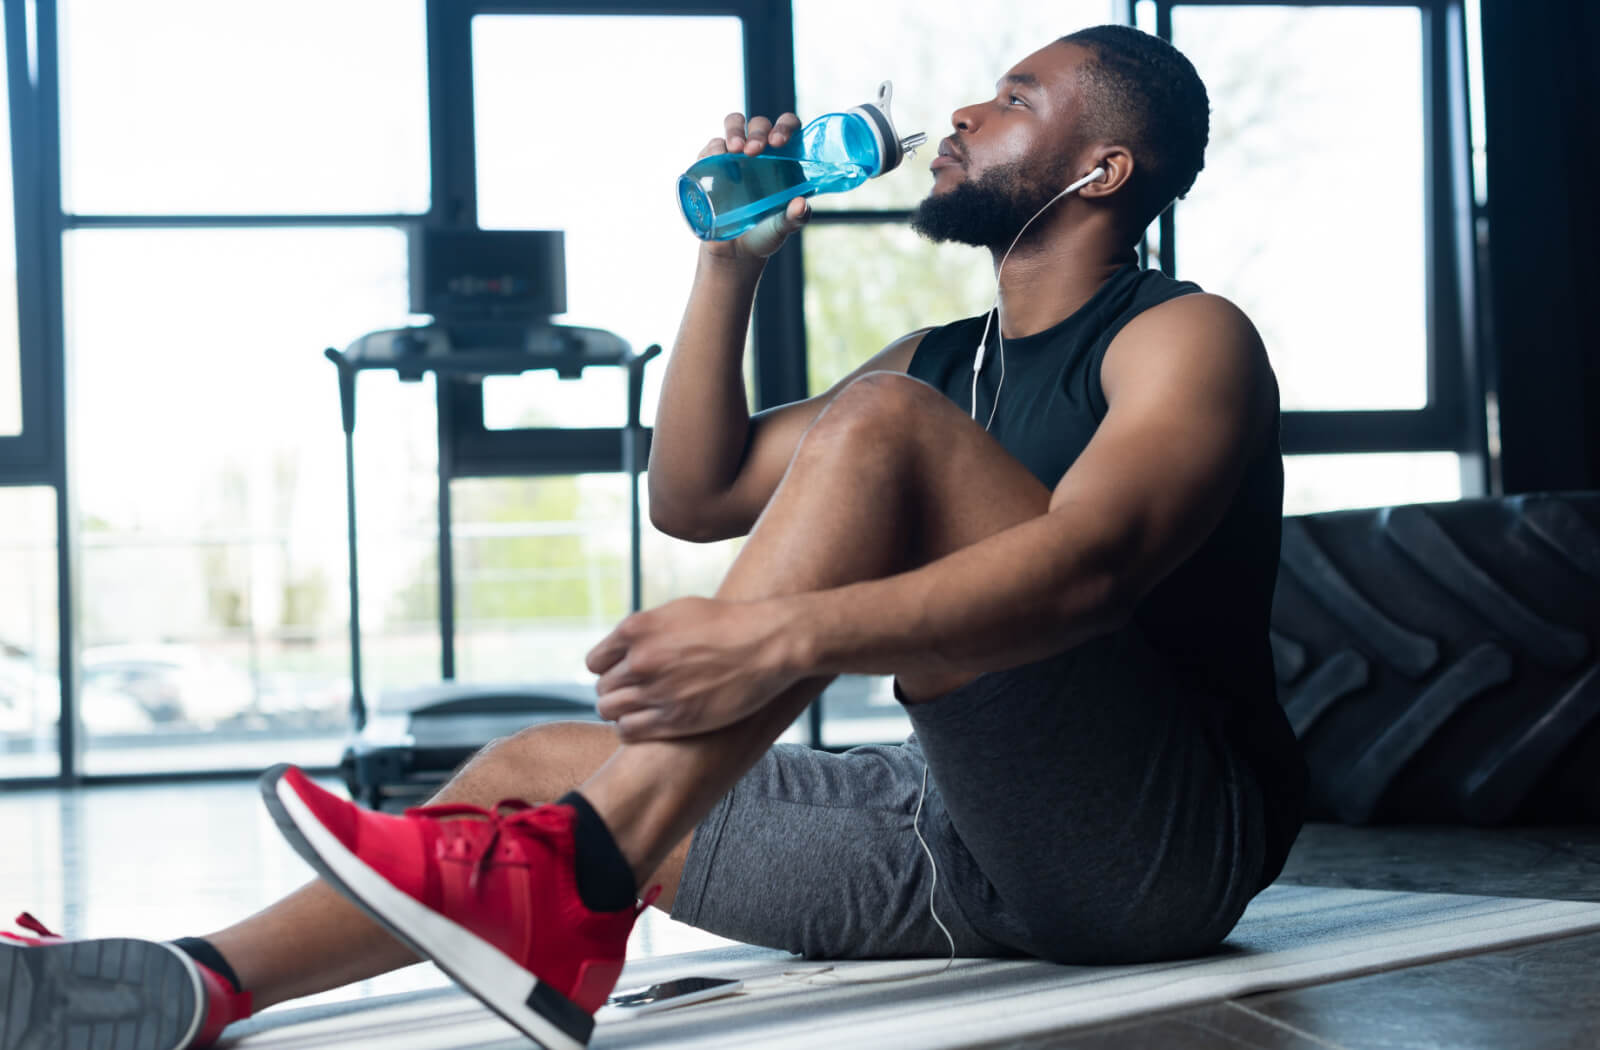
(1083, 809)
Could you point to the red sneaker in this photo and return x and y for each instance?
(489, 895)
(112, 994)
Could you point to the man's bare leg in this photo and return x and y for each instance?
(891, 477)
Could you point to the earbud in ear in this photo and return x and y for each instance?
(1097, 175)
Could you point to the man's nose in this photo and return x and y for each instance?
(964, 119)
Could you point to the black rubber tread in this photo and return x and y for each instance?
(95, 995)
(1439, 661)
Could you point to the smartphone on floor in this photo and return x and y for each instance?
(679, 992)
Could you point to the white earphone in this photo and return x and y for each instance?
(977, 361)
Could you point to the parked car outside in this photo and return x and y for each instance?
(175, 684)
(30, 703)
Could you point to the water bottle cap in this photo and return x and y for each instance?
(891, 147)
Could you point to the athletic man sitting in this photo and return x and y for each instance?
(1066, 559)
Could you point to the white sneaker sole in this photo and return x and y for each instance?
(536, 1009)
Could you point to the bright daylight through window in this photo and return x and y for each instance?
(1302, 101)
(519, 610)
(293, 107)
(30, 693)
(211, 482)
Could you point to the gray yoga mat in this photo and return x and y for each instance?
(1289, 936)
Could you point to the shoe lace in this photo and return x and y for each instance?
(28, 922)
(508, 812)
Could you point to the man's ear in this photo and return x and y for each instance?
(1118, 165)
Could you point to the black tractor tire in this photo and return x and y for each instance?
(1441, 662)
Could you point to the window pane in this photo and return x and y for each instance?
(1380, 479)
(1309, 213)
(939, 56)
(210, 475)
(29, 690)
(10, 359)
(192, 106)
(861, 709)
(609, 185)
(869, 285)
(541, 570)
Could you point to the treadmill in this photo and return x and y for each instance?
(491, 295)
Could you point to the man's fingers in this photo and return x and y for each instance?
(755, 131)
(617, 704)
(618, 676)
(733, 131)
(645, 725)
(751, 134)
(605, 654)
(787, 125)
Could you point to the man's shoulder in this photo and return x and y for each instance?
(1199, 319)
(1201, 335)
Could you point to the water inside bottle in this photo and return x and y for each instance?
(742, 188)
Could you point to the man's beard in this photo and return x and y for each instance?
(988, 211)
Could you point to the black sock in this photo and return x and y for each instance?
(203, 953)
(605, 881)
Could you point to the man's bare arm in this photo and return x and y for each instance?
(713, 466)
(1191, 399)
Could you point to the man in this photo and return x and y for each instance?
(1068, 571)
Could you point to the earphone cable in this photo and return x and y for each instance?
(994, 311)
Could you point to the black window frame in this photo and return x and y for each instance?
(25, 457)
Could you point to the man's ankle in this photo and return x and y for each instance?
(605, 879)
(205, 953)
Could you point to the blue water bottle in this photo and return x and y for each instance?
(725, 195)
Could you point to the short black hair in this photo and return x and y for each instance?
(1142, 92)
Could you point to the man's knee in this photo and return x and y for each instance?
(556, 753)
(885, 409)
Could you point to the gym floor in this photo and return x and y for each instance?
(174, 860)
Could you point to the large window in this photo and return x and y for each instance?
(234, 183)
(1310, 214)
(210, 487)
(542, 564)
(601, 162)
(208, 473)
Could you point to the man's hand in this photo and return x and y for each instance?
(691, 666)
(750, 137)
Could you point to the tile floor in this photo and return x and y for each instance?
(165, 861)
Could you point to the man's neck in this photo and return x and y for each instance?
(1047, 280)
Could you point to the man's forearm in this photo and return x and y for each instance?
(703, 417)
(1021, 595)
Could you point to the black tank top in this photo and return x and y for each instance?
(1209, 617)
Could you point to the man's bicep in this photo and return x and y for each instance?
(1186, 415)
